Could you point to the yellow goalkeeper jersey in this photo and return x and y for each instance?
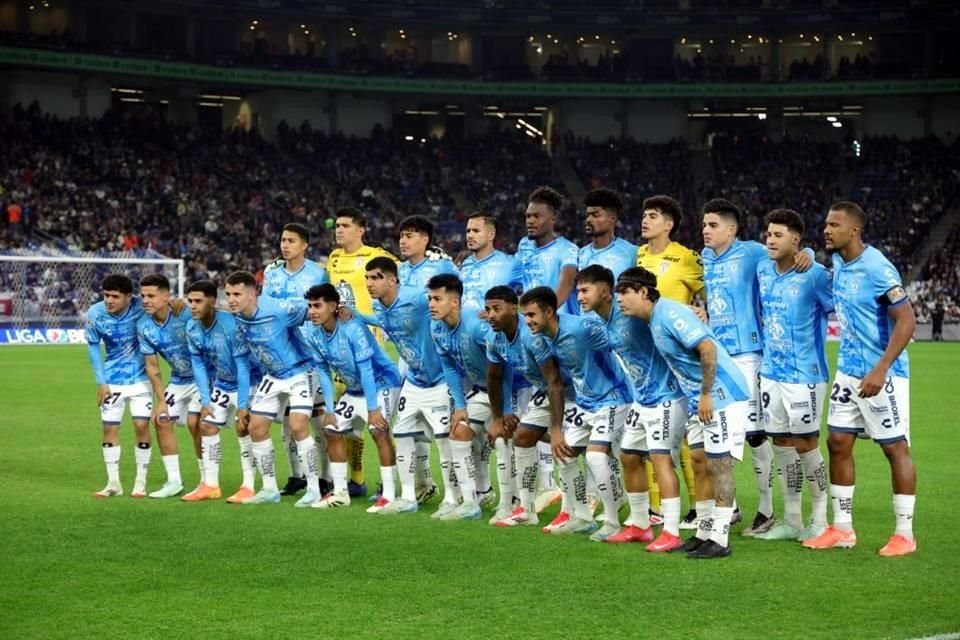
(679, 271)
(348, 273)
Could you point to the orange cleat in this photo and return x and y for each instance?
(203, 492)
(665, 543)
(243, 493)
(631, 533)
(562, 518)
(833, 538)
(898, 545)
(109, 491)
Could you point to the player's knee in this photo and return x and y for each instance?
(840, 444)
(631, 462)
(896, 450)
(757, 439)
(781, 441)
(526, 438)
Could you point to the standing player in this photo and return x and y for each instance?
(485, 267)
(603, 208)
(160, 331)
(793, 378)
(545, 259)
(871, 390)
(121, 379)
(422, 261)
(270, 329)
(717, 395)
(221, 368)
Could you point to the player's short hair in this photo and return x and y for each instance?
(548, 196)
(354, 214)
(417, 224)
(595, 274)
(851, 209)
(489, 220)
(299, 229)
(723, 208)
(326, 292)
(605, 199)
(117, 282)
(383, 263)
(667, 206)
(157, 280)
(206, 287)
(638, 278)
(502, 292)
(449, 282)
(788, 218)
(244, 278)
(543, 297)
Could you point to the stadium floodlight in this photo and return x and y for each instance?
(831, 118)
(837, 124)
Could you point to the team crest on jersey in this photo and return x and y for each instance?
(794, 291)
(775, 330)
(359, 262)
(717, 305)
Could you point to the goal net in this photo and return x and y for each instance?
(45, 294)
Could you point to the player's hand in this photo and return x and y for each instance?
(511, 422)
(558, 444)
(873, 382)
(463, 255)
(705, 408)
(458, 418)
(496, 430)
(205, 412)
(243, 418)
(802, 262)
(103, 392)
(159, 415)
(377, 420)
(177, 305)
(701, 313)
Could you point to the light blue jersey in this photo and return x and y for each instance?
(582, 351)
(281, 284)
(124, 362)
(795, 310)
(407, 322)
(219, 359)
(354, 355)
(677, 332)
(864, 291)
(630, 338)
(618, 256)
(479, 276)
(169, 341)
(463, 354)
(418, 275)
(733, 300)
(510, 355)
(541, 266)
(273, 336)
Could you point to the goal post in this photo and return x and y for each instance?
(44, 296)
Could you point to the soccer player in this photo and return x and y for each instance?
(347, 268)
(603, 208)
(871, 390)
(424, 401)
(121, 379)
(793, 377)
(290, 279)
(348, 348)
(221, 367)
(422, 261)
(603, 398)
(716, 393)
(270, 329)
(485, 267)
(654, 426)
(162, 332)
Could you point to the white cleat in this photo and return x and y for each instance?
(487, 499)
(398, 506)
(309, 499)
(332, 500)
(575, 525)
(445, 508)
(519, 517)
(605, 532)
(139, 491)
(168, 490)
(466, 511)
(501, 513)
(547, 498)
(109, 491)
(426, 493)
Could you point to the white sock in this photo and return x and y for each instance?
(389, 483)
(597, 462)
(903, 511)
(451, 486)
(671, 515)
(705, 513)
(211, 459)
(481, 462)
(200, 467)
(616, 482)
(721, 525)
(574, 488)
(789, 462)
(464, 467)
(338, 470)
(763, 468)
(815, 471)
(323, 458)
(640, 509)
(424, 473)
(291, 448)
(842, 498)
(142, 457)
(265, 460)
(526, 462)
(545, 466)
(246, 461)
(111, 460)
(307, 453)
(171, 464)
(406, 469)
(504, 449)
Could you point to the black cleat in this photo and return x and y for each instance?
(761, 524)
(692, 544)
(690, 521)
(709, 550)
(294, 486)
(325, 486)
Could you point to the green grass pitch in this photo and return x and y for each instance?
(75, 567)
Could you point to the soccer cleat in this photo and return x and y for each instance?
(631, 533)
(294, 486)
(761, 524)
(779, 531)
(444, 509)
(692, 544)
(810, 531)
(656, 518)
(575, 525)
(308, 500)
(325, 486)
(898, 545)
(501, 513)
(375, 496)
(833, 538)
(243, 493)
(168, 490)
(487, 498)
(109, 491)
(665, 543)
(203, 492)
(737, 517)
(709, 550)
(690, 521)
(378, 505)
(264, 497)
(332, 500)
(426, 493)
(399, 506)
(139, 491)
(546, 498)
(557, 522)
(356, 490)
(605, 532)
(519, 517)
(466, 511)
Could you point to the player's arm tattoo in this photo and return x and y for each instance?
(721, 474)
(153, 374)
(708, 365)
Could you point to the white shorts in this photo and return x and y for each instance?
(791, 409)
(297, 391)
(722, 436)
(749, 365)
(423, 411)
(885, 417)
(224, 404)
(478, 409)
(352, 414)
(656, 429)
(601, 427)
(182, 401)
(138, 395)
(536, 414)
